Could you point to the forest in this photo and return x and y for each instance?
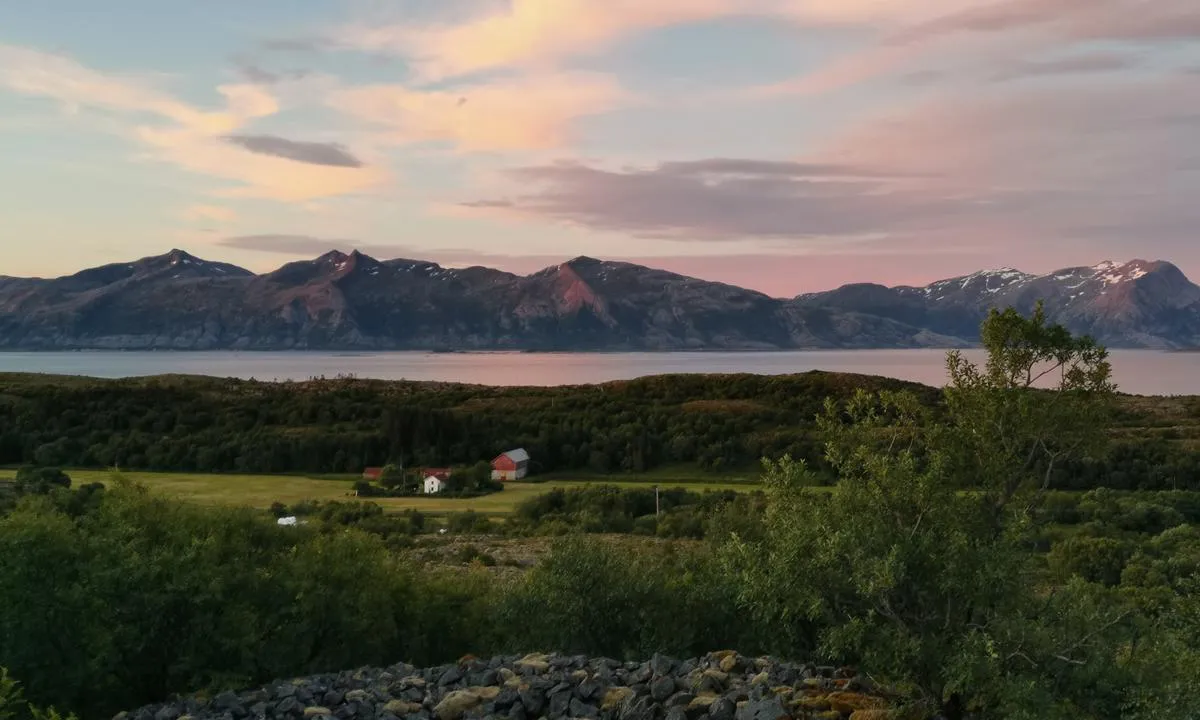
(330, 426)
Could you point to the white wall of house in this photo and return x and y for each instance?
(434, 485)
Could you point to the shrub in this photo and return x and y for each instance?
(594, 598)
(1095, 559)
(143, 597)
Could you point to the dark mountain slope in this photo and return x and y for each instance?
(340, 301)
(1138, 304)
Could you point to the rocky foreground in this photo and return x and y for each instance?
(718, 686)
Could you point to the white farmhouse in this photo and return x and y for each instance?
(435, 480)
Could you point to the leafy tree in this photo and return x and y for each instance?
(1042, 398)
(40, 480)
(478, 476)
(391, 476)
(902, 571)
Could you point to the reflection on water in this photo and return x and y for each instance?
(1143, 372)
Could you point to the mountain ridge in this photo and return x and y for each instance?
(354, 301)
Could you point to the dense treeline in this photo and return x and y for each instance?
(344, 425)
(340, 426)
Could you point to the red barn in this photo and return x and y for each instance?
(512, 465)
(372, 474)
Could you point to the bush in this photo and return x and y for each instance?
(469, 523)
(611, 509)
(593, 598)
(41, 480)
(1095, 559)
(468, 554)
(143, 597)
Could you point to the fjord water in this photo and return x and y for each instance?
(1142, 372)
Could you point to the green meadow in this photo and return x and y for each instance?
(260, 491)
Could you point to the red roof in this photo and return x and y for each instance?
(442, 474)
(372, 473)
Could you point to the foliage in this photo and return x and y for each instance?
(478, 476)
(393, 477)
(32, 480)
(1042, 397)
(716, 422)
(143, 597)
(592, 598)
(1168, 684)
(923, 583)
(14, 707)
(667, 513)
(469, 522)
(344, 425)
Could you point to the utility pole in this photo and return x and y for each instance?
(656, 506)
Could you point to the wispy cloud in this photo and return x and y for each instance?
(525, 113)
(33, 72)
(310, 44)
(994, 16)
(1003, 33)
(525, 33)
(287, 244)
(313, 153)
(209, 213)
(543, 33)
(189, 137)
(1127, 20)
(1036, 166)
(1097, 62)
(255, 73)
(717, 199)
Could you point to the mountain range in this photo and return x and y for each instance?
(339, 301)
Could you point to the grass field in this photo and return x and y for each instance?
(261, 490)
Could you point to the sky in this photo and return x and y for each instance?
(783, 145)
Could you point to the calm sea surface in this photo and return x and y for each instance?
(1143, 372)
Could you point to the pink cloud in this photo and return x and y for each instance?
(527, 32)
(1024, 171)
(526, 113)
(540, 34)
